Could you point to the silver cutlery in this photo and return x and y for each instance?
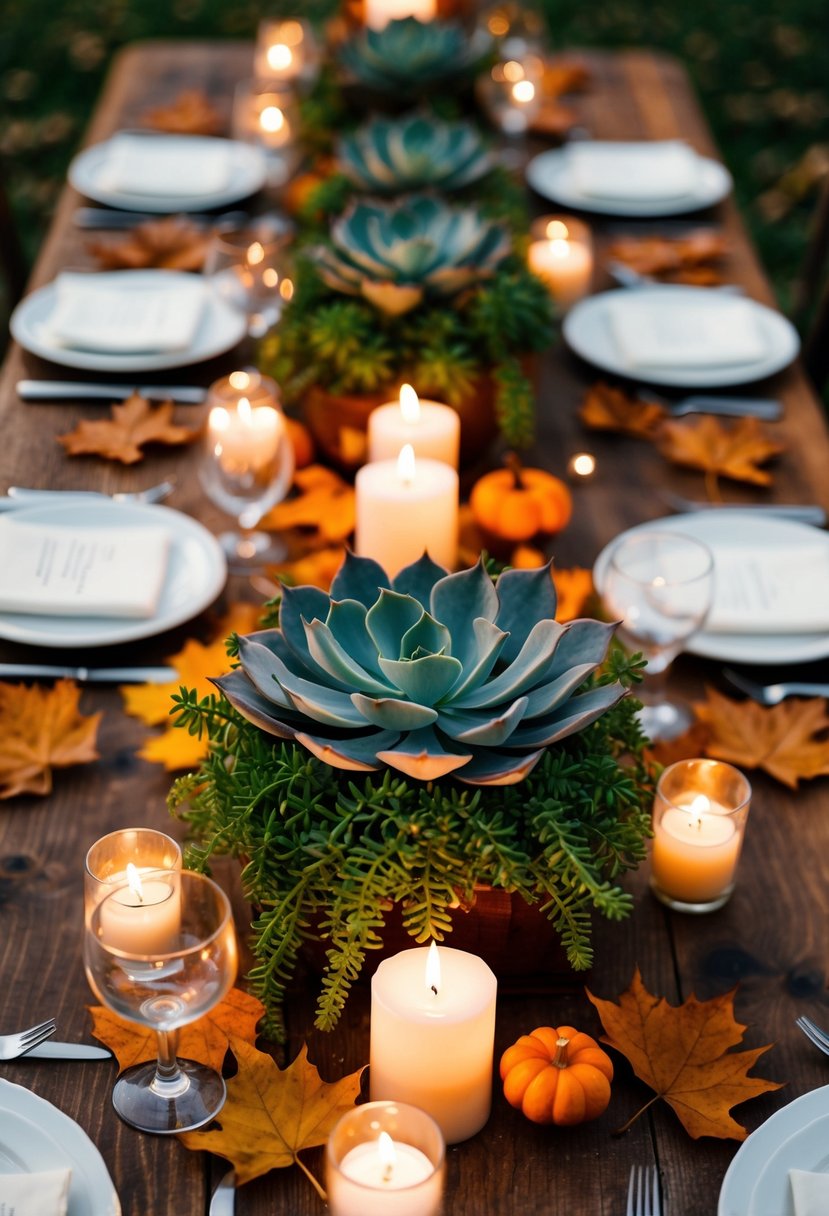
(765, 408)
(814, 1033)
(12, 1046)
(223, 1202)
(805, 514)
(643, 1192)
(24, 496)
(76, 390)
(68, 1051)
(103, 218)
(88, 675)
(773, 694)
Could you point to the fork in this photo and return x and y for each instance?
(765, 408)
(813, 1032)
(24, 496)
(773, 694)
(645, 1183)
(14, 1045)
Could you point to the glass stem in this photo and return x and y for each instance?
(653, 688)
(169, 1081)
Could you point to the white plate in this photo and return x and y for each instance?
(806, 1149)
(221, 327)
(549, 175)
(247, 174)
(587, 331)
(739, 528)
(196, 573)
(753, 1154)
(35, 1136)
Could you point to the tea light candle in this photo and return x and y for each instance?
(245, 440)
(385, 1159)
(432, 1036)
(433, 429)
(511, 93)
(143, 916)
(563, 262)
(107, 859)
(285, 51)
(404, 507)
(378, 13)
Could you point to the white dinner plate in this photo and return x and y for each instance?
(220, 328)
(738, 529)
(246, 174)
(196, 573)
(550, 175)
(754, 1153)
(806, 1149)
(588, 333)
(36, 1136)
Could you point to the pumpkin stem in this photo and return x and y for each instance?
(515, 467)
(560, 1058)
(620, 1131)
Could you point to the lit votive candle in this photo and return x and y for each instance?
(405, 507)
(106, 860)
(385, 1159)
(286, 51)
(144, 915)
(432, 1036)
(511, 93)
(563, 261)
(378, 13)
(433, 429)
(244, 439)
(699, 819)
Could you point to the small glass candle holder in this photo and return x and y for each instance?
(511, 93)
(385, 1159)
(699, 818)
(267, 114)
(378, 13)
(287, 51)
(108, 858)
(561, 253)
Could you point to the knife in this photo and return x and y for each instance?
(89, 675)
(103, 217)
(223, 1202)
(51, 1050)
(77, 390)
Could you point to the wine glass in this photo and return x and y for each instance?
(250, 272)
(161, 951)
(660, 585)
(247, 464)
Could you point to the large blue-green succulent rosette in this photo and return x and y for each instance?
(429, 673)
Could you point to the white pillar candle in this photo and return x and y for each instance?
(433, 429)
(432, 1037)
(404, 507)
(144, 916)
(378, 13)
(564, 262)
(696, 847)
(245, 440)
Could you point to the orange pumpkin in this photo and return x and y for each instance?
(301, 441)
(557, 1075)
(515, 503)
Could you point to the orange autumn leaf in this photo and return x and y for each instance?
(42, 729)
(190, 113)
(272, 1114)
(607, 408)
(690, 258)
(564, 76)
(134, 423)
(205, 1041)
(683, 1053)
(172, 243)
(790, 741)
(574, 586)
(733, 450)
(323, 503)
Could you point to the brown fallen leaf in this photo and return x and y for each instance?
(565, 76)
(790, 741)
(608, 408)
(190, 113)
(733, 450)
(172, 243)
(272, 1114)
(689, 258)
(134, 423)
(682, 1052)
(205, 1041)
(42, 729)
(323, 503)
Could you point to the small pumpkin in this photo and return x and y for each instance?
(558, 1075)
(302, 442)
(516, 504)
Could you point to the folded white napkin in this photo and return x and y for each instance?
(112, 313)
(633, 172)
(653, 331)
(770, 589)
(41, 1194)
(165, 165)
(68, 571)
(810, 1193)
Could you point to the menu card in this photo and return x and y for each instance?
(44, 1193)
(810, 1193)
(165, 165)
(770, 590)
(50, 570)
(630, 171)
(653, 330)
(117, 313)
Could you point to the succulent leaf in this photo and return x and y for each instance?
(407, 55)
(392, 156)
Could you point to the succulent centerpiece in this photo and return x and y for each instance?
(399, 742)
(415, 152)
(408, 57)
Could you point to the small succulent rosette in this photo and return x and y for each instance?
(417, 152)
(428, 673)
(408, 57)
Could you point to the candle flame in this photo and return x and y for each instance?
(134, 881)
(406, 464)
(219, 419)
(433, 969)
(270, 277)
(272, 118)
(559, 248)
(409, 404)
(583, 464)
(557, 230)
(387, 1155)
(280, 57)
(255, 254)
(239, 380)
(244, 411)
(699, 807)
(513, 71)
(523, 91)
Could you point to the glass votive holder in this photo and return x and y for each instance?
(229, 390)
(287, 51)
(108, 858)
(252, 276)
(699, 818)
(267, 115)
(561, 253)
(510, 93)
(385, 1159)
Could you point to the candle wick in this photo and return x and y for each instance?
(388, 1170)
(434, 989)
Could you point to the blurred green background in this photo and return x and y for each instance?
(761, 70)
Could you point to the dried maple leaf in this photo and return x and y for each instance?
(271, 1114)
(720, 449)
(790, 740)
(190, 113)
(205, 1041)
(682, 1052)
(688, 258)
(323, 502)
(607, 408)
(42, 729)
(172, 243)
(134, 423)
(315, 569)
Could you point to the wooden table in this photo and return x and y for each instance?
(773, 937)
